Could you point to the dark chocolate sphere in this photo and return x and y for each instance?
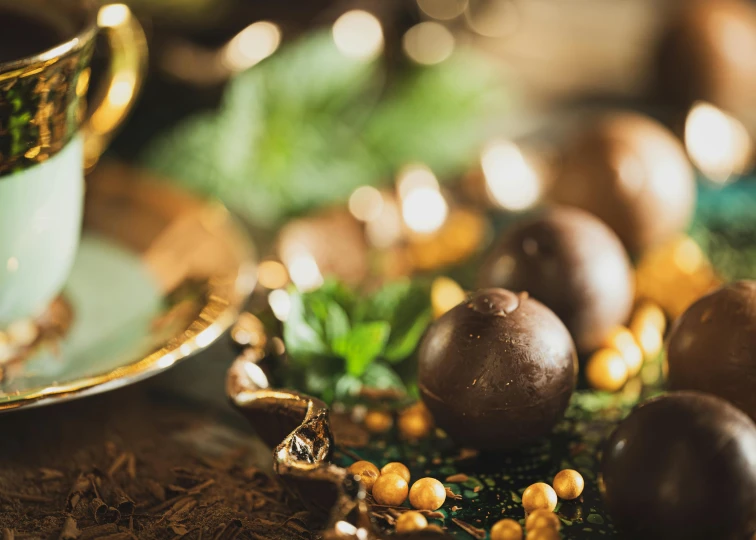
(497, 371)
(631, 172)
(712, 347)
(682, 466)
(709, 53)
(573, 263)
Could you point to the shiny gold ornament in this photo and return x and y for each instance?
(624, 342)
(367, 472)
(542, 519)
(390, 490)
(410, 521)
(539, 495)
(397, 468)
(506, 529)
(568, 484)
(415, 422)
(606, 370)
(543, 534)
(427, 494)
(378, 421)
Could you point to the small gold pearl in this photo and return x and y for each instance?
(378, 421)
(397, 468)
(568, 484)
(542, 519)
(506, 529)
(606, 370)
(427, 494)
(411, 521)
(415, 422)
(367, 472)
(390, 490)
(624, 342)
(543, 534)
(539, 495)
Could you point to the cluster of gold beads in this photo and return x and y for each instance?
(389, 486)
(539, 501)
(625, 350)
(414, 422)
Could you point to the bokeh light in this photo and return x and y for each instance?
(717, 143)
(366, 203)
(492, 18)
(304, 271)
(428, 43)
(511, 181)
(386, 229)
(414, 177)
(424, 208)
(442, 9)
(253, 44)
(280, 304)
(445, 294)
(358, 34)
(272, 275)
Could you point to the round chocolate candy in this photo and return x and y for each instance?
(573, 263)
(631, 172)
(709, 53)
(712, 347)
(497, 371)
(682, 466)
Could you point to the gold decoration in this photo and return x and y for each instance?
(390, 490)
(606, 370)
(415, 422)
(427, 494)
(410, 521)
(378, 421)
(542, 519)
(397, 468)
(623, 341)
(506, 529)
(367, 472)
(543, 534)
(568, 484)
(539, 495)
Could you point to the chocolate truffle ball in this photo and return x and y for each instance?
(497, 371)
(682, 466)
(631, 172)
(709, 53)
(573, 263)
(712, 347)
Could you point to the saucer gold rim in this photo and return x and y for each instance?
(115, 186)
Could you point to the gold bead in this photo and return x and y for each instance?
(648, 336)
(506, 529)
(435, 529)
(378, 421)
(367, 472)
(542, 519)
(427, 494)
(543, 534)
(653, 314)
(606, 370)
(539, 495)
(410, 521)
(624, 342)
(568, 484)
(397, 468)
(415, 422)
(390, 490)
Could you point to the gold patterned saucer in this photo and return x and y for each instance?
(159, 275)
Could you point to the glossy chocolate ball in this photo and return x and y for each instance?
(712, 347)
(573, 263)
(497, 371)
(631, 172)
(682, 466)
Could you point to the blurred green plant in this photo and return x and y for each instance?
(307, 126)
(340, 343)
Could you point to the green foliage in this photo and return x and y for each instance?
(338, 342)
(307, 126)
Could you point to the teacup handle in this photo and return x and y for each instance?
(127, 66)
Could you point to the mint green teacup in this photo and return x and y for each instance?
(47, 137)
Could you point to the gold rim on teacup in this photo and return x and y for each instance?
(43, 96)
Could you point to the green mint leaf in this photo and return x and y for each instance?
(337, 323)
(363, 344)
(302, 338)
(404, 341)
(379, 375)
